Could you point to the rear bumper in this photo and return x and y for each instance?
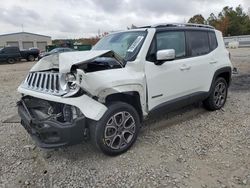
(52, 133)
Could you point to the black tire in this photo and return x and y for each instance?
(218, 95)
(31, 58)
(11, 60)
(110, 137)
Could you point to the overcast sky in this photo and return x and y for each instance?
(83, 18)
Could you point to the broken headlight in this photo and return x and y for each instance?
(71, 81)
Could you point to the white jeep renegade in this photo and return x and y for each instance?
(104, 94)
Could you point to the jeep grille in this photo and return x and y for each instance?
(45, 82)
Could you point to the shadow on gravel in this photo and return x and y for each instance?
(164, 120)
(240, 83)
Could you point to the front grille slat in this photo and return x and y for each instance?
(51, 83)
(46, 82)
(54, 83)
(41, 81)
(37, 80)
(29, 79)
(57, 83)
(32, 79)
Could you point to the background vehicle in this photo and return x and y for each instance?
(13, 54)
(104, 94)
(55, 51)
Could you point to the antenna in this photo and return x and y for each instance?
(22, 27)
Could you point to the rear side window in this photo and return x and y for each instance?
(198, 43)
(172, 40)
(212, 41)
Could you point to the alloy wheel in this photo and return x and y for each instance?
(220, 94)
(119, 130)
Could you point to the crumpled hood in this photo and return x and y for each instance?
(64, 61)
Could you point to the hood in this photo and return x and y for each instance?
(64, 61)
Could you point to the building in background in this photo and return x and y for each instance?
(243, 40)
(25, 40)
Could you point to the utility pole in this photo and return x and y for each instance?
(22, 27)
(99, 32)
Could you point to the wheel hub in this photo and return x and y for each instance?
(220, 94)
(119, 130)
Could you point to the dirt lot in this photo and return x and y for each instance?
(190, 148)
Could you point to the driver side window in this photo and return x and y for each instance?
(172, 40)
(168, 40)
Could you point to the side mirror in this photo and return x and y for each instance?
(165, 55)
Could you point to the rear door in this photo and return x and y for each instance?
(203, 57)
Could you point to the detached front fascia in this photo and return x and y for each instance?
(88, 106)
(98, 84)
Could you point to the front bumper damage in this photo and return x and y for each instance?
(45, 118)
(91, 108)
(49, 132)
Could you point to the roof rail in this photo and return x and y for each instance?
(179, 25)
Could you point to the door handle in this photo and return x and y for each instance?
(213, 62)
(185, 67)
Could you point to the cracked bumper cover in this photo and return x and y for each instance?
(51, 133)
(91, 108)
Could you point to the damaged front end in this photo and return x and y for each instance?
(55, 105)
(57, 74)
(52, 124)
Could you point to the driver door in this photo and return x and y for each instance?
(172, 79)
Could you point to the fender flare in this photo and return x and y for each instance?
(125, 89)
(227, 69)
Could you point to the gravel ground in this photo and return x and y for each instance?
(188, 148)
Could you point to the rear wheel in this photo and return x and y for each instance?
(31, 58)
(11, 60)
(218, 95)
(117, 130)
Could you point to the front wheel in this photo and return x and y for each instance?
(117, 130)
(218, 95)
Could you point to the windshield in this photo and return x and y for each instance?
(127, 44)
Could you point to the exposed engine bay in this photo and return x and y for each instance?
(66, 62)
(98, 64)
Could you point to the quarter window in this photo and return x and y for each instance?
(198, 43)
(172, 40)
(212, 40)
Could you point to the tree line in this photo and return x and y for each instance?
(229, 21)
